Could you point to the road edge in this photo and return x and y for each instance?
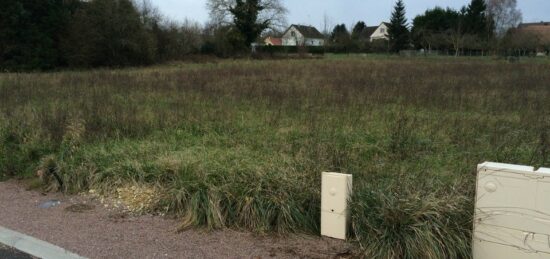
(33, 246)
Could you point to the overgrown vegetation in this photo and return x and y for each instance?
(242, 144)
(54, 34)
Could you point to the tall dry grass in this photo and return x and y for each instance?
(242, 144)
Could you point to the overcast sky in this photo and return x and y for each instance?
(311, 12)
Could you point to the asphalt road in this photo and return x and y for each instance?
(9, 253)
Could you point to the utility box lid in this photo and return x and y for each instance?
(512, 212)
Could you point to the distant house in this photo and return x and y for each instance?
(379, 32)
(540, 30)
(272, 41)
(300, 35)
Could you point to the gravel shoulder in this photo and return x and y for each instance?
(103, 233)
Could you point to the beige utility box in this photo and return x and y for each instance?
(512, 214)
(335, 193)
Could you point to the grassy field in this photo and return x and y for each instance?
(242, 144)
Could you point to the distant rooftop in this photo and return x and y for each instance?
(542, 29)
(370, 30)
(534, 24)
(308, 31)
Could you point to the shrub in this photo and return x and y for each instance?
(275, 50)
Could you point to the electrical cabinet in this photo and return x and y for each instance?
(512, 212)
(335, 194)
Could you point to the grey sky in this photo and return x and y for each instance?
(311, 12)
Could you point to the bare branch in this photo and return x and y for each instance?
(504, 14)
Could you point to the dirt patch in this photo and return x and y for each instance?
(297, 251)
(118, 217)
(103, 232)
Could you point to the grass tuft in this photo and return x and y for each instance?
(404, 221)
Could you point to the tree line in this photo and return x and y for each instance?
(49, 34)
(480, 26)
(46, 34)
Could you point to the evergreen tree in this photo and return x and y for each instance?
(340, 39)
(340, 34)
(31, 31)
(476, 22)
(398, 30)
(358, 31)
(430, 28)
(245, 17)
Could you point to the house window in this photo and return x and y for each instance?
(293, 34)
(382, 30)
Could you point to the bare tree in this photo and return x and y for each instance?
(190, 39)
(273, 13)
(327, 25)
(150, 14)
(504, 15)
(456, 38)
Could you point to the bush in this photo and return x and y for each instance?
(223, 41)
(109, 33)
(276, 50)
(21, 149)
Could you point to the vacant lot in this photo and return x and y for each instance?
(242, 144)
